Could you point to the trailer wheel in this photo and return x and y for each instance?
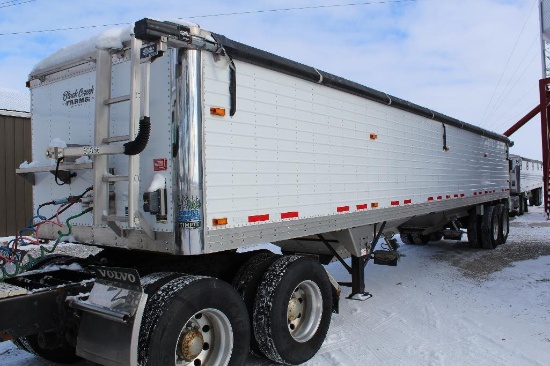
(292, 310)
(246, 283)
(437, 236)
(406, 238)
(194, 320)
(62, 353)
(504, 221)
(538, 202)
(490, 228)
(419, 239)
(474, 230)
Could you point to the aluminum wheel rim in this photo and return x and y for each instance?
(205, 340)
(304, 311)
(496, 229)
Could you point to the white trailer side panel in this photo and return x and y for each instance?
(300, 150)
(530, 175)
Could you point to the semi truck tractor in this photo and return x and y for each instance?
(177, 151)
(525, 184)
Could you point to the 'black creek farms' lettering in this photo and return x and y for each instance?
(78, 97)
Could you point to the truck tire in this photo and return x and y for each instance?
(64, 353)
(246, 283)
(474, 230)
(292, 310)
(194, 320)
(490, 228)
(419, 239)
(504, 221)
(406, 238)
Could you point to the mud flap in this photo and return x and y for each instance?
(111, 317)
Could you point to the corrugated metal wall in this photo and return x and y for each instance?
(15, 193)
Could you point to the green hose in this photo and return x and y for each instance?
(20, 268)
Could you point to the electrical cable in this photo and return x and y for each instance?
(483, 120)
(13, 3)
(219, 15)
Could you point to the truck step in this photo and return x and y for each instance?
(7, 290)
(110, 218)
(115, 178)
(108, 140)
(123, 98)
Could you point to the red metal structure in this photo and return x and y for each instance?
(544, 109)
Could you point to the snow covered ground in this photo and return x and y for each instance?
(444, 304)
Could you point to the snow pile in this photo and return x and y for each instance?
(159, 182)
(109, 39)
(83, 160)
(26, 164)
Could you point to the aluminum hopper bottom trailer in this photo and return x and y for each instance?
(525, 184)
(173, 148)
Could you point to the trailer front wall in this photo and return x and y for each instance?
(296, 150)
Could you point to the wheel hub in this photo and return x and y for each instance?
(191, 344)
(295, 309)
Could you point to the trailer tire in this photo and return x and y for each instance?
(474, 230)
(437, 236)
(246, 283)
(289, 322)
(520, 208)
(63, 354)
(490, 228)
(419, 239)
(198, 320)
(406, 239)
(504, 221)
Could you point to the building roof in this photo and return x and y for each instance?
(14, 103)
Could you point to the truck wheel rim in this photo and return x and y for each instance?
(206, 339)
(305, 310)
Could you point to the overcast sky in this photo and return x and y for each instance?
(475, 60)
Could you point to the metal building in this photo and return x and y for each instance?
(15, 147)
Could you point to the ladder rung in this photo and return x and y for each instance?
(120, 99)
(115, 178)
(115, 218)
(116, 139)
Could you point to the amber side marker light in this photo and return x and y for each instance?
(217, 111)
(219, 222)
(373, 136)
(374, 205)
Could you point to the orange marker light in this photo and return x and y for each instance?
(219, 222)
(217, 111)
(373, 136)
(374, 204)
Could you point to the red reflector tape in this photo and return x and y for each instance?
(395, 203)
(456, 195)
(362, 207)
(257, 218)
(407, 202)
(439, 197)
(289, 215)
(430, 198)
(342, 209)
(475, 193)
(462, 195)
